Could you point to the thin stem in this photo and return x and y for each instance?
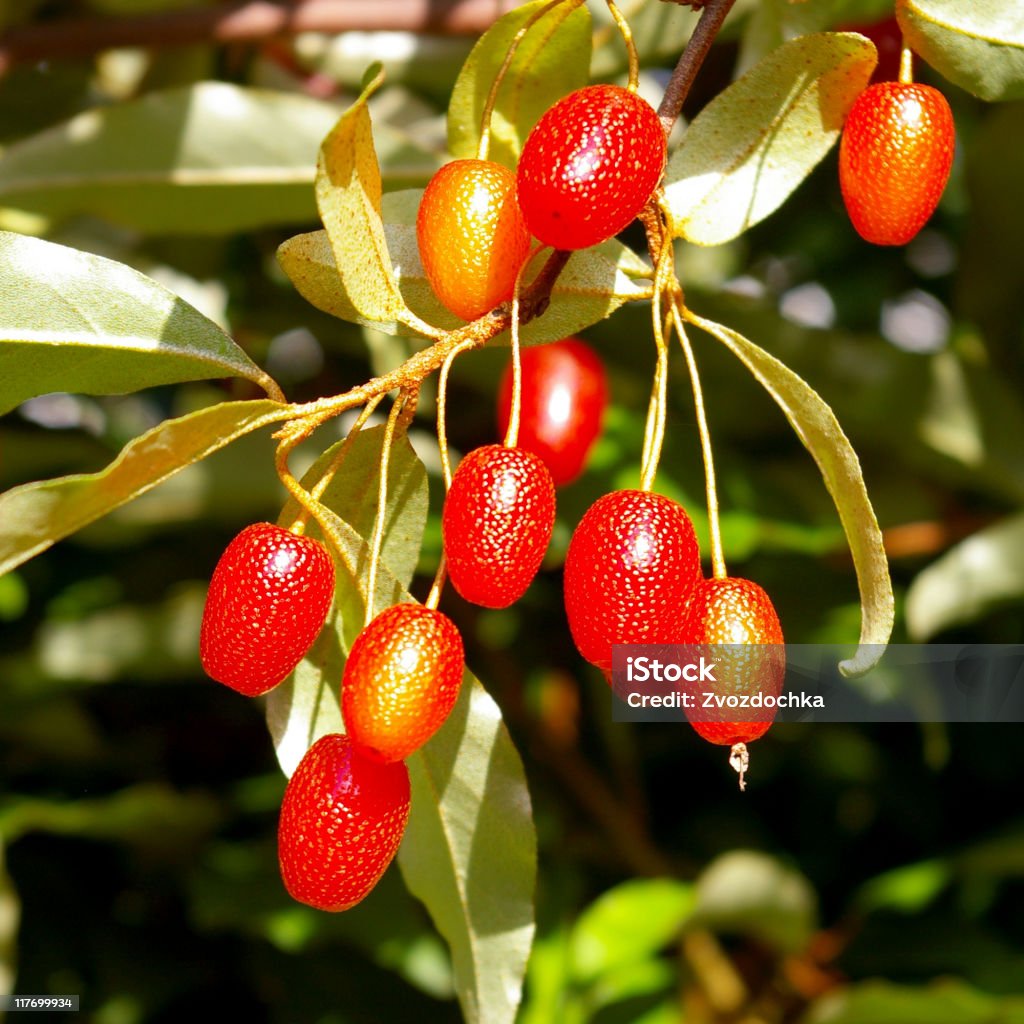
(382, 508)
(434, 597)
(710, 486)
(442, 405)
(627, 38)
(692, 58)
(484, 145)
(325, 481)
(512, 433)
(906, 65)
(307, 506)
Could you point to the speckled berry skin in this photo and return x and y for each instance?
(342, 819)
(471, 235)
(589, 165)
(496, 524)
(564, 395)
(736, 612)
(894, 159)
(401, 680)
(630, 570)
(268, 599)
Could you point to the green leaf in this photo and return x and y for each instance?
(908, 889)
(35, 516)
(305, 706)
(947, 1002)
(70, 321)
(978, 46)
(594, 283)
(208, 158)
(552, 59)
(816, 426)
(629, 924)
(752, 893)
(469, 852)
(348, 195)
(976, 575)
(755, 142)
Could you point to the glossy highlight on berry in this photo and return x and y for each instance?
(564, 395)
(342, 820)
(268, 599)
(589, 165)
(630, 570)
(401, 680)
(496, 524)
(471, 235)
(894, 159)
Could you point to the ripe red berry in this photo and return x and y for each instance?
(268, 599)
(496, 524)
(471, 236)
(564, 394)
(341, 821)
(589, 165)
(894, 159)
(729, 614)
(401, 680)
(631, 567)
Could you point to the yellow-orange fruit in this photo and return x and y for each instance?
(471, 235)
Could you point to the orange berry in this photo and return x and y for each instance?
(731, 613)
(472, 236)
(894, 159)
(401, 680)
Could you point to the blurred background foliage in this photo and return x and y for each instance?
(870, 875)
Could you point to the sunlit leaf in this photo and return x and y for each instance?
(978, 46)
(552, 59)
(348, 195)
(978, 574)
(753, 144)
(754, 894)
(210, 157)
(816, 426)
(35, 516)
(71, 321)
(628, 924)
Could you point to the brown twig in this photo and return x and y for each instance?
(711, 18)
(251, 22)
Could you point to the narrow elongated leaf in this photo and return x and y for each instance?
(70, 321)
(469, 852)
(593, 285)
(816, 426)
(755, 142)
(978, 46)
(348, 195)
(978, 574)
(208, 158)
(552, 59)
(35, 516)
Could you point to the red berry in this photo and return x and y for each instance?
(496, 524)
(631, 567)
(471, 236)
(589, 165)
(401, 680)
(342, 819)
(564, 394)
(894, 159)
(729, 614)
(268, 599)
